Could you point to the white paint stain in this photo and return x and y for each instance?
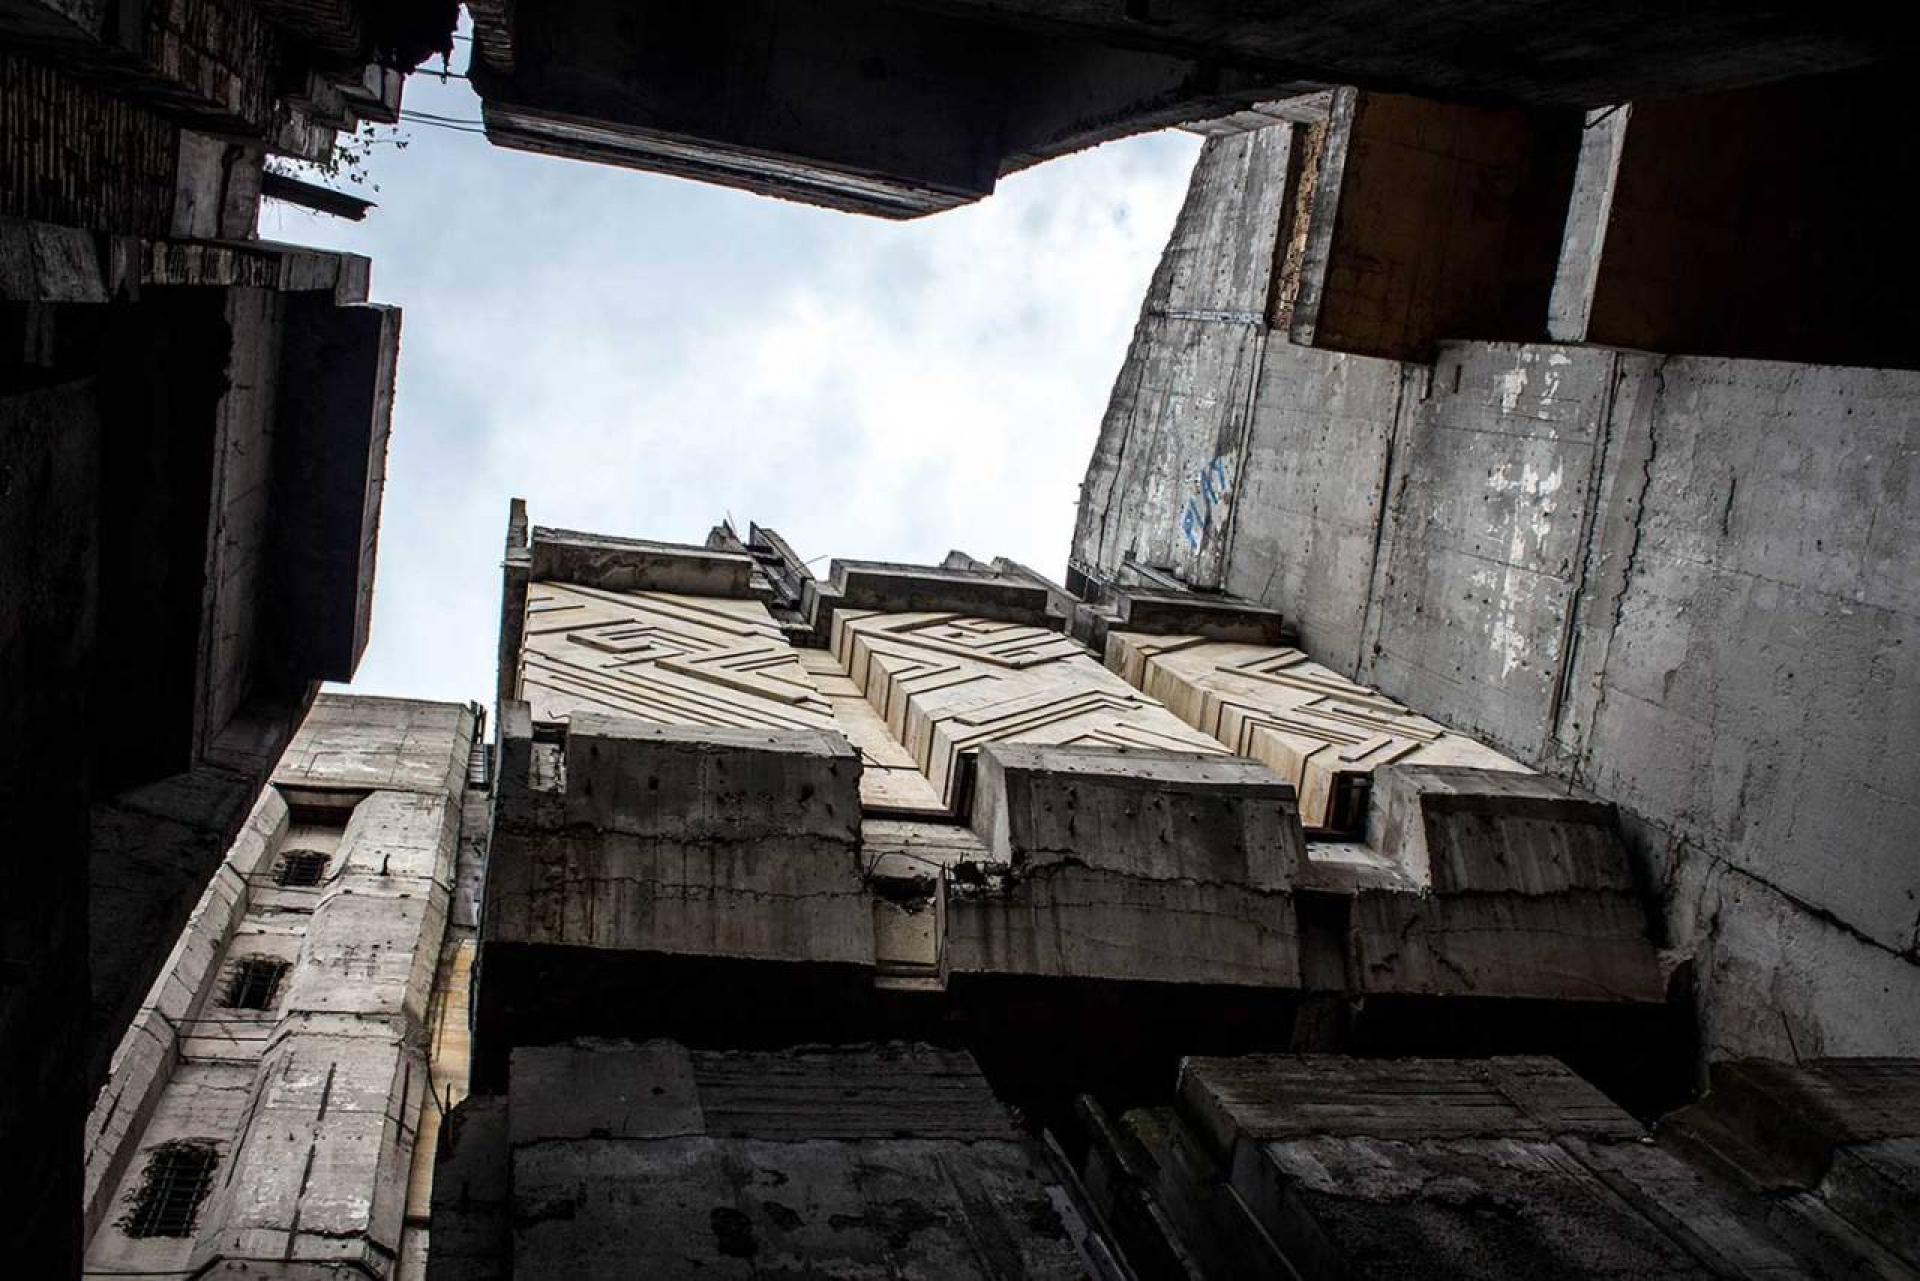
(1525, 537)
(1513, 385)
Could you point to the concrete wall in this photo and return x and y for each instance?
(1686, 583)
(1182, 397)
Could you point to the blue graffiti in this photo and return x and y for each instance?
(1193, 525)
(1195, 520)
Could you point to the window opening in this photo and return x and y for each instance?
(254, 983)
(301, 869)
(177, 1180)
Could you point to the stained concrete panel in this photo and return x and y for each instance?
(684, 840)
(1483, 538)
(1125, 866)
(1311, 482)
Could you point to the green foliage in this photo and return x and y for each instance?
(350, 160)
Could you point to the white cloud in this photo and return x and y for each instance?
(640, 355)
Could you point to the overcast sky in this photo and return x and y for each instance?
(640, 355)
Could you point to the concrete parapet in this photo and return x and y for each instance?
(1523, 889)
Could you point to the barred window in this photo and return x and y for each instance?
(301, 869)
(177, 1179)
(254, 982)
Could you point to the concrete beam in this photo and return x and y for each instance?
(1753, 224)
(1427, 221)
(338, 365)
(636, 565)
(783, 98)
(1128, 865)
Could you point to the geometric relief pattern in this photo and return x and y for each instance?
(1305, 722)
(662, 658)
(946, 683)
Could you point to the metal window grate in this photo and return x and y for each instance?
(178, 1177)
(301, 869)
(253, 983)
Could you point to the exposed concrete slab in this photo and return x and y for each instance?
(1153, 815)
(864, 1158)
(685, 839)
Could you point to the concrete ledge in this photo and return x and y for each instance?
(1465, 830)
(683, 840)
(1158, 816)
(1216, 618)
(1123, 865)
(636, 565)
(915, 589)
(1526, 891)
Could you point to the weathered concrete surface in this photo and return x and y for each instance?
(145, 1059)
(681, 839)
(659, 876)
(1528, 891)
(1182, 397)
(1685, 584)
(1831, 1148)
(1166, 817)
(1128, 866)
(611, 1159)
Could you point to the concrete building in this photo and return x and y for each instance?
(1490, 632)
(193, 428)
(1526, 465)
(874, 925)
(273, 1110)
